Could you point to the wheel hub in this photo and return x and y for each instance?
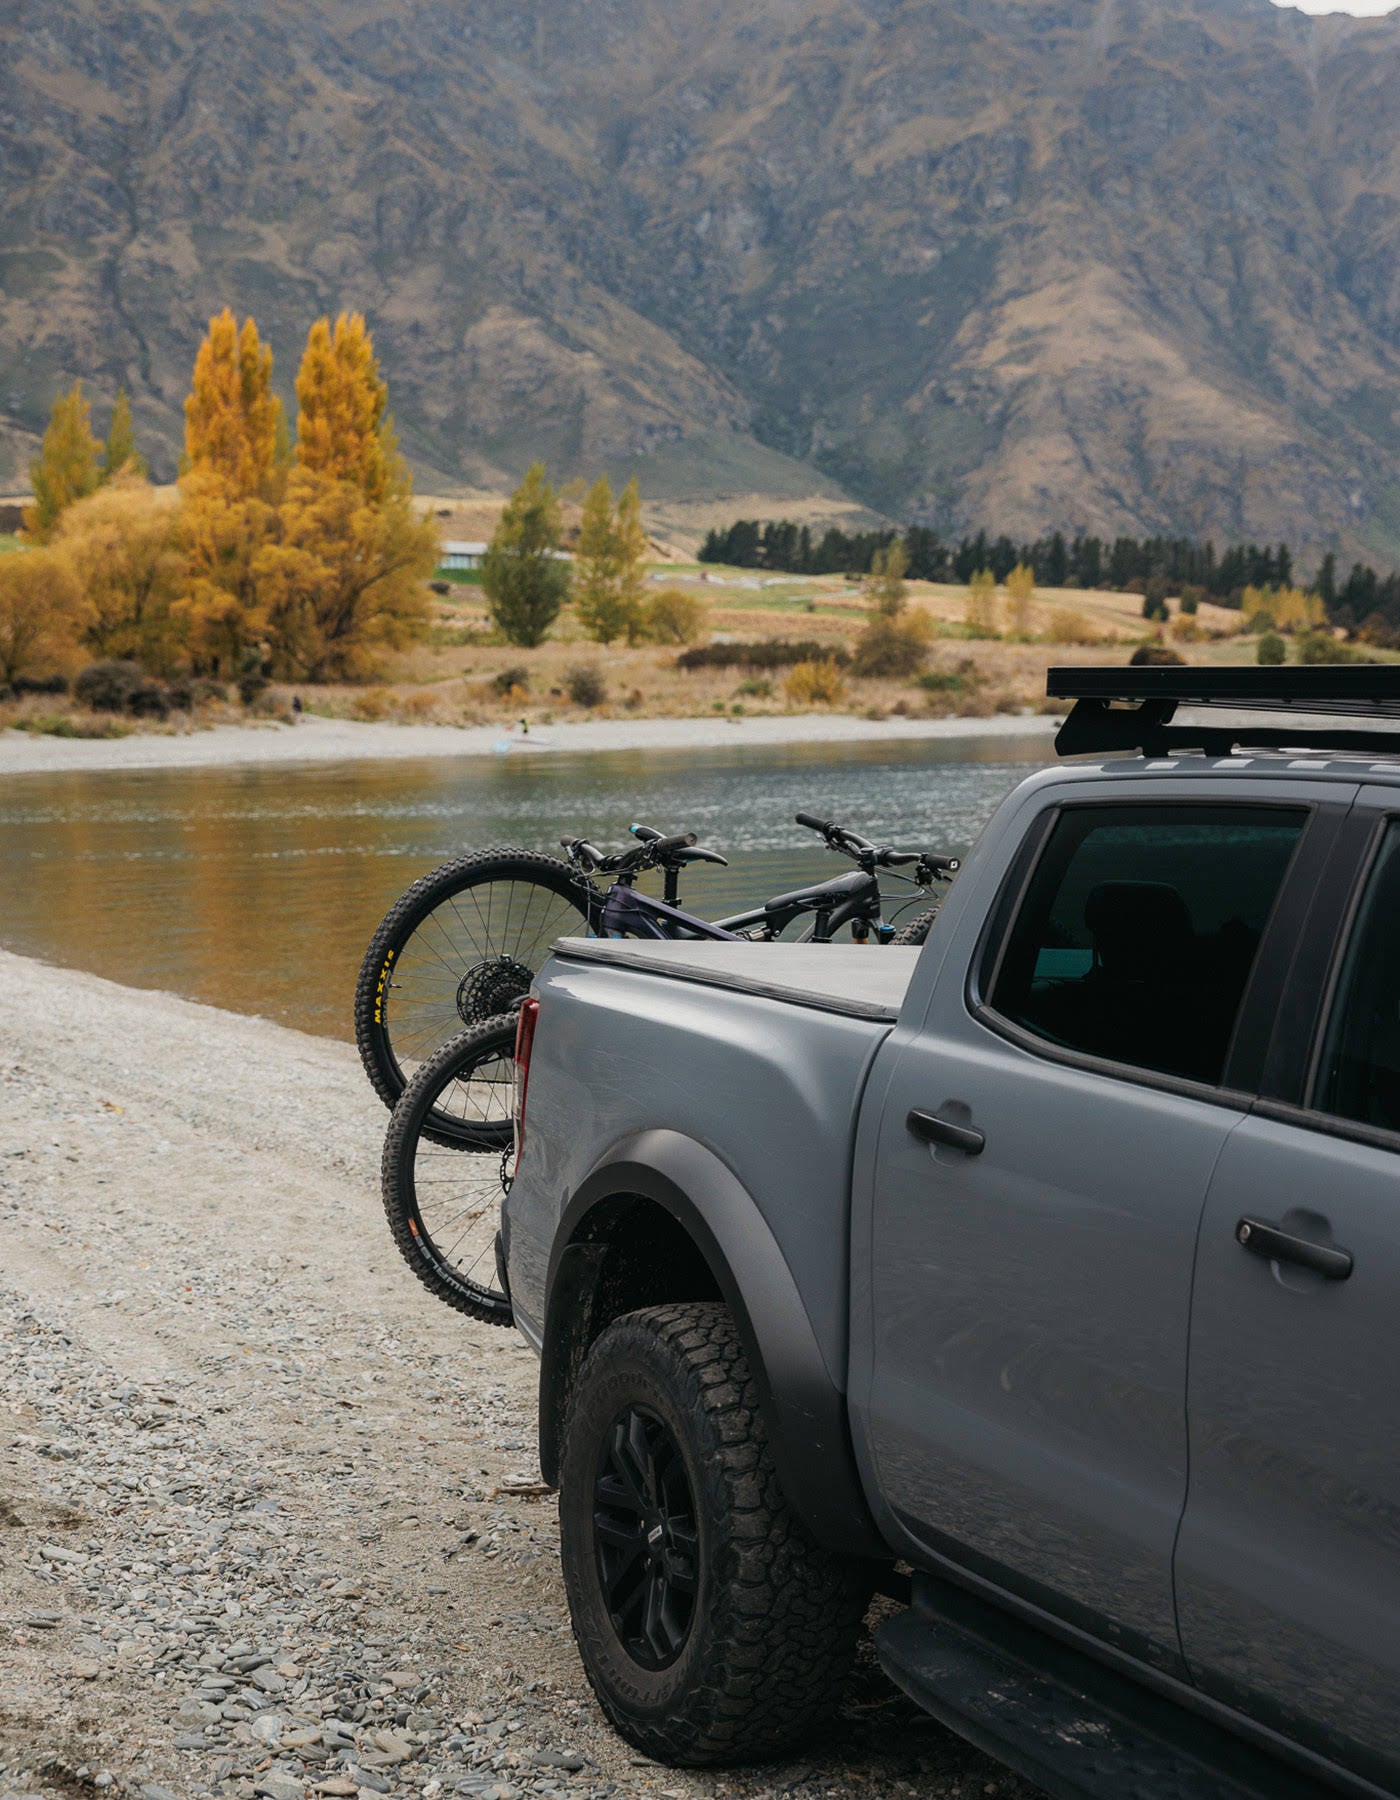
(646, 1543)
(489, 987)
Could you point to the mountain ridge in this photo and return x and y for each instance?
(1031, 264)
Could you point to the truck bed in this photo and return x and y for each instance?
(860, 981)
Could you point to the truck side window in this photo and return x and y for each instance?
(1358, 1074)
(1139, 929)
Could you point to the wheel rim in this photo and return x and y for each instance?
(456, 1206)
(471, 954)
(646, 1543)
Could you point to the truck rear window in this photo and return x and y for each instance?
(1139, 929)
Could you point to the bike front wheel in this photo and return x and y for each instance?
(458, 948)
(444, 1207)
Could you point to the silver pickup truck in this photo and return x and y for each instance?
(1045, 1279)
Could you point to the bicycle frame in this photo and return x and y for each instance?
(627, 913)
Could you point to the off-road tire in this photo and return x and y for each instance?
(776, 1617)
(373, 1018)
(917, 929)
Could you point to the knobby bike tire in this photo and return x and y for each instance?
(917, 929)
(439, 930)
(443, 1207)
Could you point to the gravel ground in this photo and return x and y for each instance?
(269, 1518)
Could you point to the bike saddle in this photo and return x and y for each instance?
(823, 894)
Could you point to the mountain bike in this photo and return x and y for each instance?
(441, 1210)
(466, 939)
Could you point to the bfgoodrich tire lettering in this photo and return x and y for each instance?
(773, 1626)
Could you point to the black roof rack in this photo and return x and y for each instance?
(1132, 708)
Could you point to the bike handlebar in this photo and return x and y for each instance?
(861, 850)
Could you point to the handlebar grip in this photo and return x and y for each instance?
(812, 823)
(896, 859)
(648, 834)
(663, 846)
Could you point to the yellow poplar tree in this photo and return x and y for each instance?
(120, 452)
(608, 581)
(228, 507)
(1020, 592)
(66, 467)
(980, 607)
(346, 578)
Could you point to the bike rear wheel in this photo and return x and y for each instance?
(917, 929)
(457, 948)
(443, 1207)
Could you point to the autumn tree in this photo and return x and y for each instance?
(608, 578)
(66, 467)
(122, 544)
(120, 453)
(41, 611)
(980, 607)
(1020, 593)
(526, 581)
(229, 493)
(345, 578)
(894, 641)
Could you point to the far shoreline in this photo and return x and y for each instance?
(314, 739)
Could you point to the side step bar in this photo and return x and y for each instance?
(1076, 1728)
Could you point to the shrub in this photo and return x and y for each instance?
(768, 653)
(149, 701)
(1067, 625)
(816, 683)
(1154, 605)
(371, 704)
(674, 617)
(1155, 656)
(962, 678)
(1191, 597)
(1261, 619)
(585, 685)
(40, 684)
(1271, 649)
(1322, 647)
(756, 688)
(892, 647)
(108, 686)
(516, 676)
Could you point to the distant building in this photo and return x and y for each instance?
(462, 556)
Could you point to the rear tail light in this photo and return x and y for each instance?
(524, 1044)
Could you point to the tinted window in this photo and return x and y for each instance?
(1359, 1071)
(1139, 930)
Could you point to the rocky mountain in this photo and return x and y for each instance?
(1112, 264)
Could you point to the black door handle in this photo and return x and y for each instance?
(1266, 1240)
(933, 1130)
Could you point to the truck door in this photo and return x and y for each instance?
(1288, 1569)
(1044, 1148)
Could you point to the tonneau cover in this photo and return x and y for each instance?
(863, 981)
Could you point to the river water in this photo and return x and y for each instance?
(257, 888)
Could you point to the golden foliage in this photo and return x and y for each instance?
(221, 535)
(675, 617)
(66, 467)
(41, 611)
(120, 454)
(980, 607)
(231, 413)
(612, 546)
(344, 580)
(1020, 593)
(1067, 625)
(342, 401)
(816, 683)
(121, 545)
(883, 587)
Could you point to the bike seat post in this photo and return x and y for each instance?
(672, 893)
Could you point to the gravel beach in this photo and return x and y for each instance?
(314, 739)
(269, 1520)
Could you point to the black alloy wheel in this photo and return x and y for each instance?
(646, 1539)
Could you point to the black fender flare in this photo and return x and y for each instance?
(804, 1411)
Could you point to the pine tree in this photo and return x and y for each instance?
(608, 582)
(526, 583)
(121, 452)
(231, 413)
(66, 467)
